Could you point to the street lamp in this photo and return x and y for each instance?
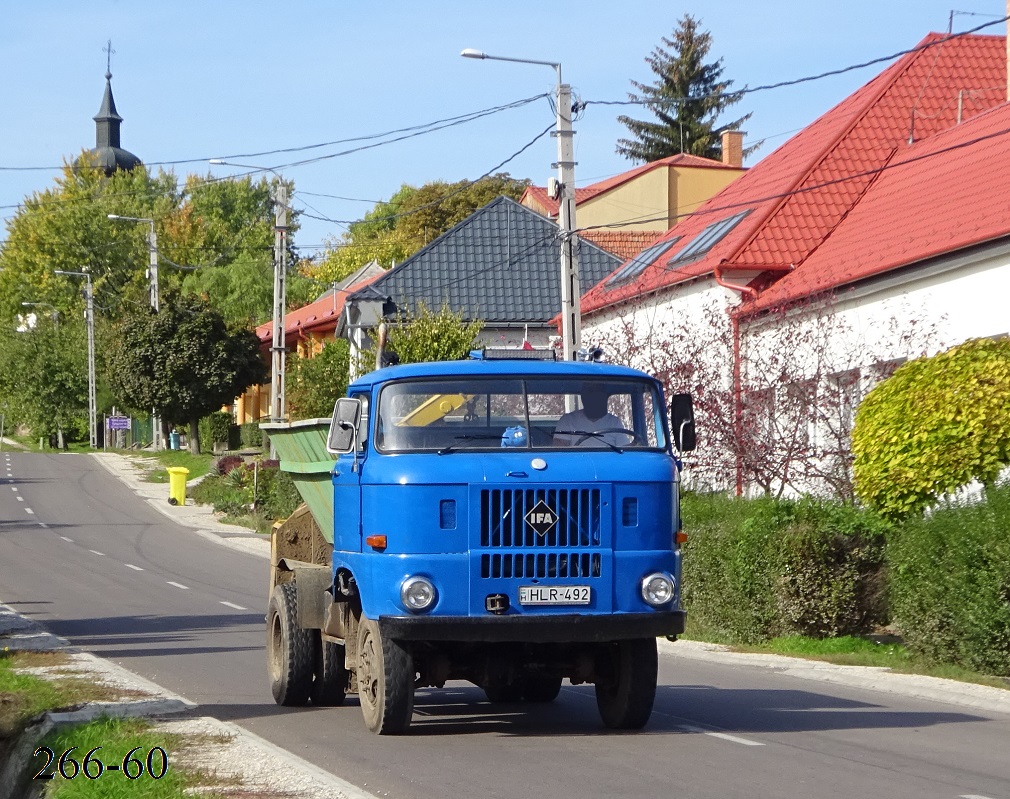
(89, 316)
(55, 314)
(152, 276)
(278, 395)
(571, 320)
(152, 246)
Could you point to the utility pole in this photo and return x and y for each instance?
(278, 400)
(152, 269)
(571, 315)
(89, 318)
(155, 298)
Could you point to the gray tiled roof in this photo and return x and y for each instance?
(500, 264)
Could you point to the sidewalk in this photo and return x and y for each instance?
(200, 518)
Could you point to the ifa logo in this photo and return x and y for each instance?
(541, 518)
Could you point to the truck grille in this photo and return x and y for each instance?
(541, 564)
(503, 519)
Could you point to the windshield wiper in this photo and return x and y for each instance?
(593, 434)
(468, 437)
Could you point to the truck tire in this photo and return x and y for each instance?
(541, 689)
(385, 671)
(291, 651)
(329, 683)
(626, 690)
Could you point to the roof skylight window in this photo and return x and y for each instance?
(637, 265)
(708, 238)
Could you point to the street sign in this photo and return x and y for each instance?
(119, 422)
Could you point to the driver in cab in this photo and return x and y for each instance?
(592, 425)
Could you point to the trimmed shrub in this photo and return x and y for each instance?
(758, 569)
(251, 435)
(832, 580)
(730, 566)
(950, 583)
(933, 427)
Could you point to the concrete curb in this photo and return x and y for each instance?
(881, 679)
(264, 767)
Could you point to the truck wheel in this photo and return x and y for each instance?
(329, 684)
(290, 649)
(541, 689)
(385, 680)
(626, 690)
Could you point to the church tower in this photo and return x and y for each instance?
(108, 154)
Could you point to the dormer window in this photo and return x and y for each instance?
(708, 238)
(637, 265)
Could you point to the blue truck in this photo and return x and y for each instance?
(507, 521)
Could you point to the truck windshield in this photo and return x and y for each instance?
(448, 415)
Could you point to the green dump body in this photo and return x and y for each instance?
(301, 447)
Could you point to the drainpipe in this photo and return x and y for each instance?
(750, 293)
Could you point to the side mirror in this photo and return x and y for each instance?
(682, 422)
(344, 426)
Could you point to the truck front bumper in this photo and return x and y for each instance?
(567, 628)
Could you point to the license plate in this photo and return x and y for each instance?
(554, 594)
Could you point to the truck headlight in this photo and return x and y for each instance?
(417, 594)
(658, 589)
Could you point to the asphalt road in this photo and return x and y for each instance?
(82, 555)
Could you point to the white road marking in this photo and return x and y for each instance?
(68, 540)
(135, 568)
(179, 585)
(29, 510)
(233, 605)
(972, 796)
(20, 498)
(44, 525)
(96, 552)
(14, 488)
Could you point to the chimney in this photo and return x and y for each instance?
(732, 146)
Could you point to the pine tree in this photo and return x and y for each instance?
(687, 100)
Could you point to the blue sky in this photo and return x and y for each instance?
(198, 80)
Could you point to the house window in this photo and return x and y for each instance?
(882, 370)
(637, 265)
(708, 238)
(801, 411)
(845, 390)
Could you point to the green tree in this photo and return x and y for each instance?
(216, 237)
(44, 376)
(413, 217)
(933, 427)
(314, 384)
(183, 361)
(429, 336)
(67, 227)
(687, 99)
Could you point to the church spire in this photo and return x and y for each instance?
(108, 147)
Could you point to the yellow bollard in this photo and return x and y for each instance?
(177, 485)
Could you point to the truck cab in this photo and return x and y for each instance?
(512, 523)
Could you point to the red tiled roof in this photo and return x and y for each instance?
(622, 243)
(539, 193)
(801, 193)
(319, 316)
(937, 196)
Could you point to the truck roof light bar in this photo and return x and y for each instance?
(513, 354)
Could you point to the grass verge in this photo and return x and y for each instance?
(155, 463)
(24, 696)
(125, 758)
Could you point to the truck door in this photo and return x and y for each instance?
(347, 486)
